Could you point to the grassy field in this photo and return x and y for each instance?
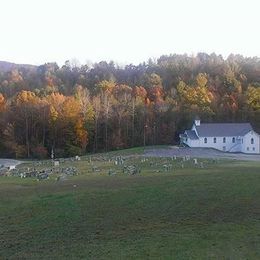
(187, 212)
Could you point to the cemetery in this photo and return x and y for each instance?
(102, 165)
(129, 204)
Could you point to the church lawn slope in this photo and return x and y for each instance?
(185, 213)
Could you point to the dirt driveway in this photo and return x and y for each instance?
(199, 153)
(9, 162)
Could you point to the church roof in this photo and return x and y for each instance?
(223, 129)
(191, 134)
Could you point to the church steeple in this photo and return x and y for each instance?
(197, 121)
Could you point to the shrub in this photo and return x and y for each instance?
(39, 152)
(20, 151)
(72, 150)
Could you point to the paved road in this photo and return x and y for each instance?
(179, 152)
(9, 162)
(200, 153)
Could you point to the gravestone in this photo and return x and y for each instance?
(56, 163)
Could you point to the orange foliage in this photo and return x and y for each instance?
(56, 99)
(139, 92)
(2, 103)
(81, 134)
(155, 93)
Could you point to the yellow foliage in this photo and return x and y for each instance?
(106, 86)
(200, 95)
(253, 97)
(56, 100)
(53, 114)
(201, 80)
(26, 97)
(71, 108)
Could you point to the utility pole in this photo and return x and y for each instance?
(145, 127)
(52, 155)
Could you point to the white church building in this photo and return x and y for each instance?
(228, 137)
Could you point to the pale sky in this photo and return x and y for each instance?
(126, 31)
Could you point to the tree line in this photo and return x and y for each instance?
(75, 109)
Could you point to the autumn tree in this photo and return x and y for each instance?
(139, 96)
(25, 116)
(121, 105)
(105, 88)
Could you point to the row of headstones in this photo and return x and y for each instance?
(168, 167)
(4, 168)
(43, 173)
(57, 161)
(186, 159)
(4, 171)
(119, 160)
(144, 159)
(69, 171)
(130, 169)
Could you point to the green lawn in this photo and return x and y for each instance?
(189, 213)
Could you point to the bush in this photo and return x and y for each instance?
(20, 151)
(58, 153)
(72, 150)
(39, 152)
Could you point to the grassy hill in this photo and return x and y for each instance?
(187, 212)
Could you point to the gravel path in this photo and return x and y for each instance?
(200, 153)
(9, 162)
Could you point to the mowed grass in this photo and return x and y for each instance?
(190, 213)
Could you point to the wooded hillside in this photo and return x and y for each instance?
(74, 109)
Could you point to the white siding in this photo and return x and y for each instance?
(228, 146)
(247, 147)
(193, 143)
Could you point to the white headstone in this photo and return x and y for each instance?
(56, 163)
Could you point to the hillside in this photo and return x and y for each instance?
(6, 66)
(77, 108)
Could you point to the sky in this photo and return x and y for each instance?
(125, 31)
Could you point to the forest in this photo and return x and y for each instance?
(74, 109)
